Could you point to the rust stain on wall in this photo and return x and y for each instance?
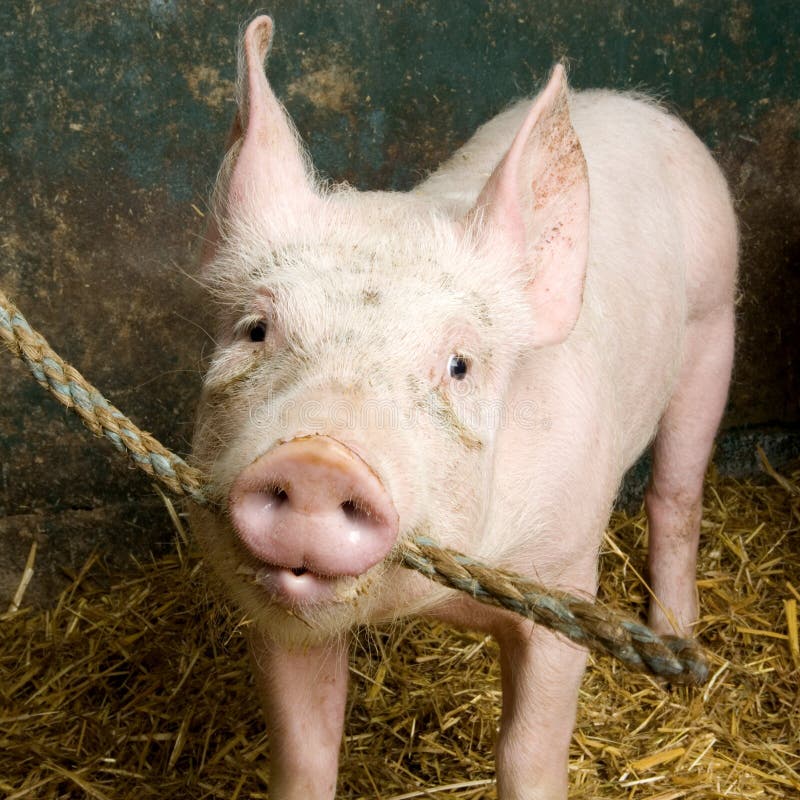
(206, 85)
(331, 87)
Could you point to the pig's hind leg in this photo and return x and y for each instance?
(680, 456)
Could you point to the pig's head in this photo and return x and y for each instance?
(365, 347)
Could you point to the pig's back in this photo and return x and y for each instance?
(626, 134)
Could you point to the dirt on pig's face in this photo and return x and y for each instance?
(385, 327)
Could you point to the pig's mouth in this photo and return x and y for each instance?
(300, 586)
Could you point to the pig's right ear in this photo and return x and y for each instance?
(266, 175)
(535, 206)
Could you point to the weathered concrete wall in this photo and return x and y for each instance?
(113, 115)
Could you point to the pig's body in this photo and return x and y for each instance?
(465, 297)
(655, 331)
(662, 259)
(594, 400)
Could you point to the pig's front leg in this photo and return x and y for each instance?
(541, 676)
(303, 691)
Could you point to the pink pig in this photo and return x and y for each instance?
(480, 359)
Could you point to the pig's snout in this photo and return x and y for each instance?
(311, 509)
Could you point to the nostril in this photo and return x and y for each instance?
(354, 511)
(279, 494)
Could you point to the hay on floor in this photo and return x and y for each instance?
(141, 689)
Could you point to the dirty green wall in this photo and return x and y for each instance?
(113, 116)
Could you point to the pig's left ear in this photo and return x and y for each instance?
(537, 202)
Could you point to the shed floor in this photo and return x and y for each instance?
(136, 685)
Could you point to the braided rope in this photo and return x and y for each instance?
(72, 390)
(587, 624)
(590, 625)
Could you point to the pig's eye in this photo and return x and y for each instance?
(257, 331)
(458, 366)
(252, 328)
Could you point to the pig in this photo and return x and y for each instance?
(480, 360)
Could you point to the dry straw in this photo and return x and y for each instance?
(136, 685)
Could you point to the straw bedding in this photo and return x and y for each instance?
(137, 685)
